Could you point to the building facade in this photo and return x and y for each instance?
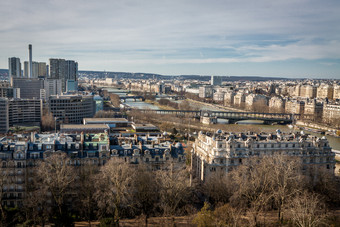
(64, 70)
(216, 80)
(206, 91)
(14, 67)
(72, 108)
(221, 152)
(25, 111)
(21, 154)
(4, 121)
(30, 88)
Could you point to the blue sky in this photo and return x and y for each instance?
(287, 38)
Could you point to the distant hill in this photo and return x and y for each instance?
(139, 75)
(104, 74)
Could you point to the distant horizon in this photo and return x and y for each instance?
(246, 76)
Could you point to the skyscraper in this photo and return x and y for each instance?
(71, 70)
(14, 67)
(38, 69)
(216, 80)
(64, 70)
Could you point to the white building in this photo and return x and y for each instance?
(221, 152)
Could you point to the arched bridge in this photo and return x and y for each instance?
(124, 98)
(233, 117)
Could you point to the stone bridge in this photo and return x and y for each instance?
(233, 117)
(124, 98)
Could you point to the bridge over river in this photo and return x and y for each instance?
(124, 98)
(233, 117)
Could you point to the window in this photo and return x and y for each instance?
(147, 160)
(240, 160)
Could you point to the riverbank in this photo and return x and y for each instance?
(220, 107)
(162, 107)
(315, 126)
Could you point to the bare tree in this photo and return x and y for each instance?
(174, 190)
(37, 204)
(285, 179)
(86, 189)
(115, 99)
(114, 189)
(217, 189)
(307, 210)
(252, 189)
(57, 176)
(4, 180)
(146, 193)
(47, 121)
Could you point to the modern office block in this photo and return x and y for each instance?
(29, 87)
(4, 121)
(72, 108)
(24, 111)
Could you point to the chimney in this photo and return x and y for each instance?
(30, 60)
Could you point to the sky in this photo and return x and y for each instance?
(284, 38)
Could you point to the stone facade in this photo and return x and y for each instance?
(221, 152)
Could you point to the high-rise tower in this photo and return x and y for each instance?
(14, 67)
(30, 60)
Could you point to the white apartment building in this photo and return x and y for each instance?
(220, 152)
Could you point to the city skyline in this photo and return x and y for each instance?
(243, 38)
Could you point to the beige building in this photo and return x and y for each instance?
(325, 91)
(336, 92)
(221, 152)
(239, 99)
(277, 104)
(308, 91)
(294, 107)
(256, 102)
(331, 114)
(314, 109)
(219, 96)
(206, 91)
(229, 98)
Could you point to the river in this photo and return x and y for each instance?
(333, 141)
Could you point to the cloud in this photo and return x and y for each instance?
(170, 32)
